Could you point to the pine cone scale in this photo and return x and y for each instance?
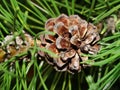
(62, 43)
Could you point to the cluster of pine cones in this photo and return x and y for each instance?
(73, 37)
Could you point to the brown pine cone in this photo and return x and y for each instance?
(73, 36)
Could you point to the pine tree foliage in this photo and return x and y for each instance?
(26, 71)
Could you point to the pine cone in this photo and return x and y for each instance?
(73, 36)
(12, 46)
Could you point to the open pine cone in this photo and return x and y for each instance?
(73, 36)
